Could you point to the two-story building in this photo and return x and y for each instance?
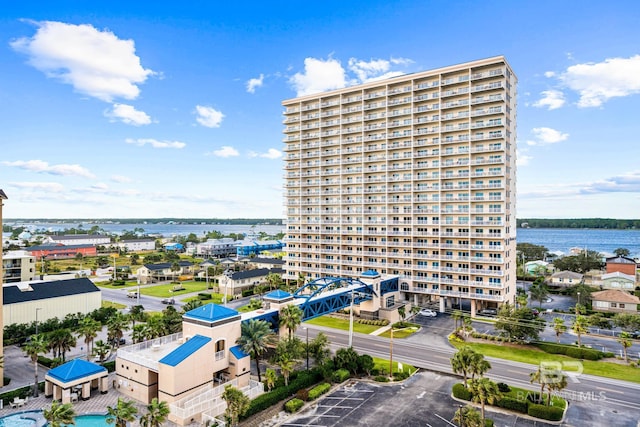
(565, 279)
(79, 239)
(151, 273)
(618, 280)
(622, 264)
(233, 283)
(137, 245)
(18, 266)
(216, 248)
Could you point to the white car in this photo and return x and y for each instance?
(427, 312)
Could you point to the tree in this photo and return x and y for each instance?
(622, 252)
(365, 364)
(286, 367)
(270, 378)
(539, 292)
(415, 310)
(479, 366)
(582, 263)
(559, 327)
(467, 416)
(237, 403)
(518, 324)
(36, 346)
(137, 314)
(116, 325)
(457, 315)
(627, 321)
(88, 329)
(529, 252)
(125, 411)
(319, 348)
(462, 360)
(625, 341)
(289, 348)
(291, 317)
(101, 349)
(580, 327)
(139, 333)
(484, 391)
(157, 414)
(59, 414)
(598, 320)
(347, 358)
(175, 268)
(539, 376)
(274, 280)
(255, 335)
(402, 312)
(191, 305)
(60, 341)
(558, 382)
(135, 259)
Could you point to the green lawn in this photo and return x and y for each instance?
(335, 323)
(108, 285)
(382, 365)
(215, 298)
(165, 291)
(400, 334)
(535, 356)
(115, 305)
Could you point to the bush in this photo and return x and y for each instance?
(340, 375)
(513, 404)
(319, 390)
(399, 376)
(381, 378)
(461, 392)
(118, 282)
(293, 405)
(503, 388)
(303, 394)
(488, 422)
(203, 296)
(247, 292)
(571, 351)
(6, 381)
(111, 365)
(551, 413)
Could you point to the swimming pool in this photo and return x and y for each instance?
(35, 419)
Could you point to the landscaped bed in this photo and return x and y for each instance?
(343, 324)
(167, 290)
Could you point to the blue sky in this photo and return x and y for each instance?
(154, 109)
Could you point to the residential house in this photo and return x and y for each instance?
(255, 247)
(615, 301)
(150, 273)
(79, 239)
(18, 266)
(622, 264)
(233, 283)
(137, 245)
(536, 267)
(173, 246)
(565, 279)
(216, 248)
(259, 262)
(618, 280)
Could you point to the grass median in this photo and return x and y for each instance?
(534, 356)
(167, 290)
(335, 323)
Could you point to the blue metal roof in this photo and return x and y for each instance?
(75, 369)
(371, 273)
(238, 353)
(278, 294)
(211, 313)
(185, 350)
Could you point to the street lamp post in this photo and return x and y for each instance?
(114, 268)
(578, 304)
(138, 295)
(307, 331)
(351, 321)
(35, 386)
(391, 349)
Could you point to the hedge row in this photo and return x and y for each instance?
(573, 351)
(319, 390)
(551, 413)
(303, 380)
(461, 392)
(247, 292)
(23, 392)
(513, 404)
(340, 375)
(293, 405)
(381, 322)
(203, 296)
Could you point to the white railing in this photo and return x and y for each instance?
(132, 352)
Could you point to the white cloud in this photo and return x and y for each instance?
(209, 117)
(121, 179)
(224, 151)
(375, 69)
(552, 99)
(155, 143)
(319, 76)
(41, 166)
(43, 186)
(522, 159)
(596, 83)
(128, 114)
(252, 84)
(549, 74)
(546, 136)
(96, 63)
(271, 153)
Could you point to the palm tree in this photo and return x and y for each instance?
(175, 267)
(580, 327)
(457, 315)
(479, 366)
(541, 378)
(291, 318)
(625, 341)
(286, 367)
(124, 412)
(36, 346)
(467, 416)
(139, 333)
(237, 403)
(137, 314)
(559, 327)
(402, 312)
(193, 304)
(461, 362)
(157, 414)
(101, 349)
(116, 325)
(270, 378)
(59, 414)
(254, 337)
(415, 310)
(484, 391)
(273, 280)
(88, 329)
(319, 348)
(557, 383)
(539, 292)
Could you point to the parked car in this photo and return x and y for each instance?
(132, 294)
(169, 301)
(427, 312)
(489, 312)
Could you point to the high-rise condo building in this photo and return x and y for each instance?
(412, 176)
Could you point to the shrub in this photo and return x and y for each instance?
(6, 381)
(340, 375)
(111, 365)
(572, 351)
(303, 394)
(293, 405)
(551, 413)
(513, 404)
(399, 376)
(247, 292)
(461, 392)
(488, 422)
(118, 282)
(504, 388)
(381, 378)
(319, 390)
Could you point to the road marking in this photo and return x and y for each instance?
(611, 390)
(421, 395)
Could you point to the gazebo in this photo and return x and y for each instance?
(75, 379)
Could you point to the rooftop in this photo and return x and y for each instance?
(75, 369)
(614, 295)
(211, 313)
(33, 291)
(278, 295)
(181, 353)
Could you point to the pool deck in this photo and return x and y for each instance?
(97, 404)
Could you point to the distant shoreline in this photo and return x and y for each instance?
(177, 221)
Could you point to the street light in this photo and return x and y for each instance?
(578, 304)
(35, 386)
(351, 322)
(391, 349)
(307, 331)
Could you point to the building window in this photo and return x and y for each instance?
(219, 350)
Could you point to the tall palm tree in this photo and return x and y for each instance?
(580, 327)
(457, 315)
(191, 305)
(157, 414)
(467, 416)
(625, 341)
(60, 414)
(462, 360)
(139, 333)
(286, 367)
(116, 325)
(255, 335)
(539, 377)
(558, 383)
(88, 329)
(478, 366)
(559, 327)
(124, 412)
(237, 403)
(137, 314)
(291, 318)
(101, 349)
(484, 391)
(270, 378)
(36, 346)
(273, 280)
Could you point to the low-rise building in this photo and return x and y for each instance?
(150, 273)
(615, 301)
(216, 248)
(46, 300)
(255, 247)
(233, 283)
(618, 280)
(137, 245)
(259, 262)
(565, 279)
(622, 264)
(18, 266)
(79, 239)
(60, 251)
